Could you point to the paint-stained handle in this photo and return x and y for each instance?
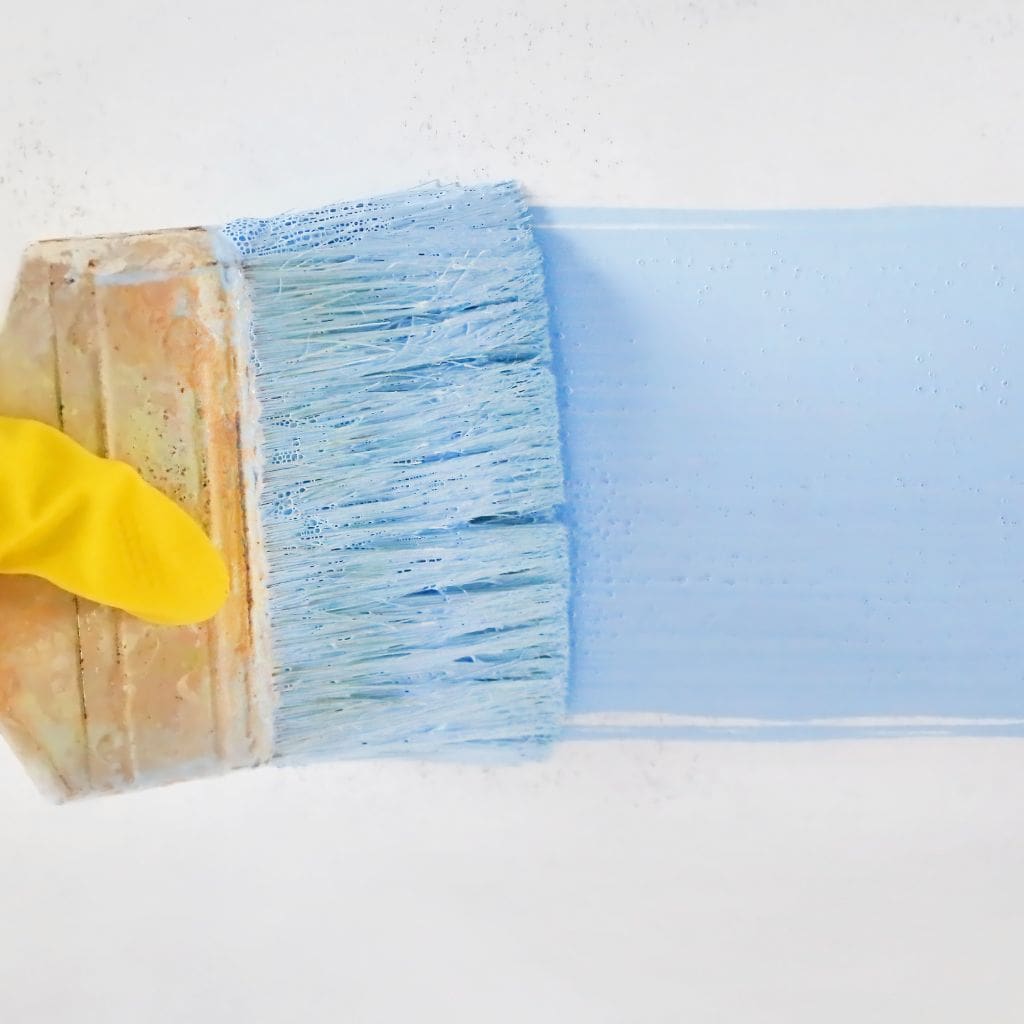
(122, 372)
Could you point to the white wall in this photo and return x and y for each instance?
(700, 882)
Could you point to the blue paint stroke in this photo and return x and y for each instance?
(794, 450)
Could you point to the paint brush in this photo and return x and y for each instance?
(357, 403)
(788, 503)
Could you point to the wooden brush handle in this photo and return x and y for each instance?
(133, 346)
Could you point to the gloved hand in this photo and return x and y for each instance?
(94, 527)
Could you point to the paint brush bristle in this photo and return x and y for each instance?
(412, 475)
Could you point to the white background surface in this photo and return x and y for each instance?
(850, 881)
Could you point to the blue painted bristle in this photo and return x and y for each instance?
(413, 481)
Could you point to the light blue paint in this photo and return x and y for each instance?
(794, 448)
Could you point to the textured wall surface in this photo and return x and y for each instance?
(628, 881)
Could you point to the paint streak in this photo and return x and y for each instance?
(794, 467)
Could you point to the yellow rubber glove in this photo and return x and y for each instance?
(94, 527)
